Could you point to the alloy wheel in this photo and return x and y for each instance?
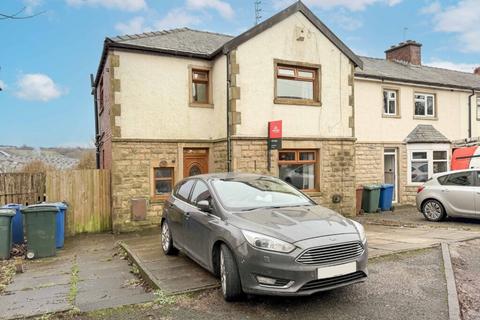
(165, 236)
(223, 275)
(432, 210)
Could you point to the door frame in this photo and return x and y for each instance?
(395, 156)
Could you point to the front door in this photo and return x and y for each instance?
(390, 169)
(195, 161)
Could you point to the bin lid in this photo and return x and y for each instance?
(371, 187)
(42, 207)
(12, 205)
(60, 205)
(7, 212)
(387, 185)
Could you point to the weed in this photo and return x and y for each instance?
(73, 283)
(163, 299)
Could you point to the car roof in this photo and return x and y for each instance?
(441, 174)
(227, 175)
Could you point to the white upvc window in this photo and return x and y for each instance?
(390, 102)
(478, 107)
(424, 105)
(424, 160)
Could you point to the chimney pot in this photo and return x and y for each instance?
(408, 51)
(477, 71)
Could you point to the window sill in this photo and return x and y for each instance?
(201, 105)
(393, 116)
(297, 102)
(158, 199)
(312, 193)
(425, 118)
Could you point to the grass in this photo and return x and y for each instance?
(162, 298)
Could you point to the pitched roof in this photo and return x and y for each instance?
(404, 72)
(426, 133)
(177, 40)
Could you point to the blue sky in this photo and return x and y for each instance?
(46, 61)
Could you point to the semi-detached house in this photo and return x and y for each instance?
(177, 103)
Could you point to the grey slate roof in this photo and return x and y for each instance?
(426, 133)
(181, 40)
(400, 71)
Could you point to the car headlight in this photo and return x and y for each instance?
(361, 231)
(264, 242)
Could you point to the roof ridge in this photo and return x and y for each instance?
(148, 34)
(422, 65)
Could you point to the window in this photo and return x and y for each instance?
(296, 84)
(163, 180)
(390, 102)
(424, 105)
(297, 167)
(423, 163)
(200, 93)
(200, 192)
(478, 107)
(458, 179)
(183, 190)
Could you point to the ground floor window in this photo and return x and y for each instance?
(423, 163)
(297, 167)
(163, 180)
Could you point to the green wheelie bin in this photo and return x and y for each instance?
(371, 198)
(6, 216)
(40, 225)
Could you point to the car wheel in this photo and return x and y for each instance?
(433, 210)
(167, 240)
(229, 276)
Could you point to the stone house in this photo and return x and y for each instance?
(182, 102)
(406, 117)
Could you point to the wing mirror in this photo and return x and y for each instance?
(204, 206)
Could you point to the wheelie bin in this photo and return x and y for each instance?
(6, 217)
(60, 229)
(371, 198)
(386, 197)
(359, 196)
(17, 227)
(40, 227)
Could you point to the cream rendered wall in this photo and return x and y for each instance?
(371, 126)
(154, 98)
(256, 81)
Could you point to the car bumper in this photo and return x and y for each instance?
(297, 279)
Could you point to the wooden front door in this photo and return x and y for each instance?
(195, 161)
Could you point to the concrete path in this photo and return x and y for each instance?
(86, 275)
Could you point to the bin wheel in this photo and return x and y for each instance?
(379, 211)
(30, 255)
(392, 208)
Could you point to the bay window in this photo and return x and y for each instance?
(424, 161)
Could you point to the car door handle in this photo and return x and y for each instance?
(187, 215)
(170, 205)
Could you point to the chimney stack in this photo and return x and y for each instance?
(477, 71)
(409, 51)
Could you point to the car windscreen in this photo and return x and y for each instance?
(257, 192)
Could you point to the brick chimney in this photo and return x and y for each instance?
(477, 71)
(409, 51)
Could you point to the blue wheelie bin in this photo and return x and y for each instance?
(386, 197)
(17, 223)
(60, 224)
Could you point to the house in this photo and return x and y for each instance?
(406, 117)
(177, 103)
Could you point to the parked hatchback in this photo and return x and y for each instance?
(262, 236)
(454, 193)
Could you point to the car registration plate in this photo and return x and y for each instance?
(338, 270)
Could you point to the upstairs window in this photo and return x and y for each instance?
(390, 102)
(200, 92)
(478, 107)
(424, 105)
(296, 84)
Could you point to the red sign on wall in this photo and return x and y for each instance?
(275, 129)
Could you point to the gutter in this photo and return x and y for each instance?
(95, 107)
(470, 113)
(229, 138)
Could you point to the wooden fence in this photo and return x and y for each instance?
(23, 188)
(88, 195)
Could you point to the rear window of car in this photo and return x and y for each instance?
(458, 179)
(442, 179)
(183, 189)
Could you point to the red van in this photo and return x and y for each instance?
(466, 158)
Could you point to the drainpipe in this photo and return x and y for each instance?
(229, 141)
(470, 113)
(95, 107)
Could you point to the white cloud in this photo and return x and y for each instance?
(178, 17)
(345, 21)
(126, 5)
(2, 85)
(465, 67)
(432, 8)
(133, 26)
(222, 7)
(37, 87)
(31, 5)
(461, 19)
(353, 5)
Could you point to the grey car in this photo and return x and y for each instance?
(262, 236)
(454, 193)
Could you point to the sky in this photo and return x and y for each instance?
(46, 61)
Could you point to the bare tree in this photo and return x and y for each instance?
(87, 161)
(19, 15)
(36, 166)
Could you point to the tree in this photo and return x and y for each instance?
(19, 15)
(87, 161)
(36, 166)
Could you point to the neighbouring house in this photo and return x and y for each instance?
(406, 117)
(176, 103)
